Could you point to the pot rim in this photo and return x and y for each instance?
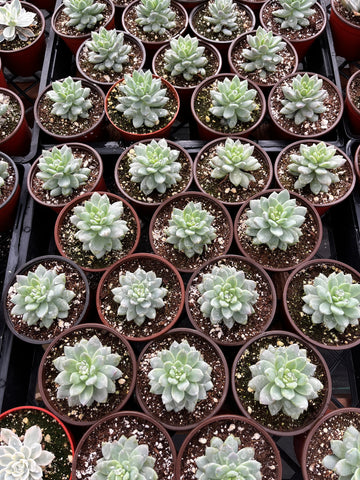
(12, 94)
(10, 161)
(343, 19)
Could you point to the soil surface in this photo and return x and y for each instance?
(7, 189)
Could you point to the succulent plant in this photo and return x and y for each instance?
(4, 107)
(61, 171)
(185, 57)
(345, 458)
(233, 101)
(15, 22)
(333, 301)
(87, 372)
(140, 294)
(154, 166)
(4, 173)
(223, 16)
(41, 297)
(180, 376)
(275, 220)
(235, 160)
(142, 99)
(100, 229)
(23, 458)
(107, 50)
(83, 14)
(263, 54)
(125, 459)
(294, 14)
(312, 166)
(304, 99)
(227, 460)
(70, 99)
(190, 230)
(155, 16)
(352, 5)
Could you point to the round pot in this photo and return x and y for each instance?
(3, 82)
(352, 110)
(346, 34)
(10, 193)
(17, 142)
(356, 163)
(279, 424)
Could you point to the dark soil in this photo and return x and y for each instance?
(347, 14)
(354, 91)
(11, 119)
(7, 189)
(17, 44)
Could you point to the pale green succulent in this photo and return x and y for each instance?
(294, 14)
(142, 99)
(107, 50)
(233, 101)
(83, 14)
(154, 166)
(70, 99)
(125, 459)
(352, 5)
(345, 458)
(99, 225)
(263, 54)
(140, 294)
(190, 230)
(23, 458)
(41, 297)
(275, 220)
(4, 172)
(4, 107)
(14, 22)
(185, 57)
(226, 460)
(155, 16)
(180, 376)
(235, 160)
(312, 166)
(333, 301)
(283, 379)
(223, 16)
(227, 296)
(304, 99)
(61, 171)
(88, 371)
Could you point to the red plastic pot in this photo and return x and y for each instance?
(18, 142)
(3, 82)
(352, 111)
(8, 208)
(346, 35)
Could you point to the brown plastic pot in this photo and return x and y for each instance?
(352, 111)
(346, 35)
(8, 207)
(18, 141)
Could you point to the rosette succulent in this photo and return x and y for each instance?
(283, 379)
(125, 459)
(352, 5)
(185, 57)
(275, 220)
(180, 376)
(83, 14)
(227, 296)
(154, 165)
(190, 230)
(345, 458)
(61, 172)
(333, 301)
(99, 225)
(155, 16)
(304, 99)
(23, 458)
(70, 99)
(313, 165)
(41, 297)
(225, 459)
(233, 101)
(88, 371)
(294, 14)
(235, 160)
(15, 22)
(140, 294)
(4, 172)
(4, 107)
(107, 50)
(223, 16)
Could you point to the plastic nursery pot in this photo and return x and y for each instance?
(152, 404)
(76, 282)
(250, 434)
(95, 182)
(72, 37)
(222, 224)
(70, 247)
(63, 130)
(327, 121)
(317, 334)
(222, 189)
(3, 82)
(352, 105)
(278, 260)
(56, 438)
(322, 201)
(147, 204)
(166, 317)
(357, 163)
(9, 194)
(279, 424)
(345, 31)
(257, 322)
(209, 126)
(147, 432)
(48, 5)
(85, 415)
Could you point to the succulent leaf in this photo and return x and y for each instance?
(345, 458)
(4, 107)
(223, 16)
(185, 57)
(15, 22)
(107, 50)
(83, 14)
(155, 16)
(294, 14)
(4, 172)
